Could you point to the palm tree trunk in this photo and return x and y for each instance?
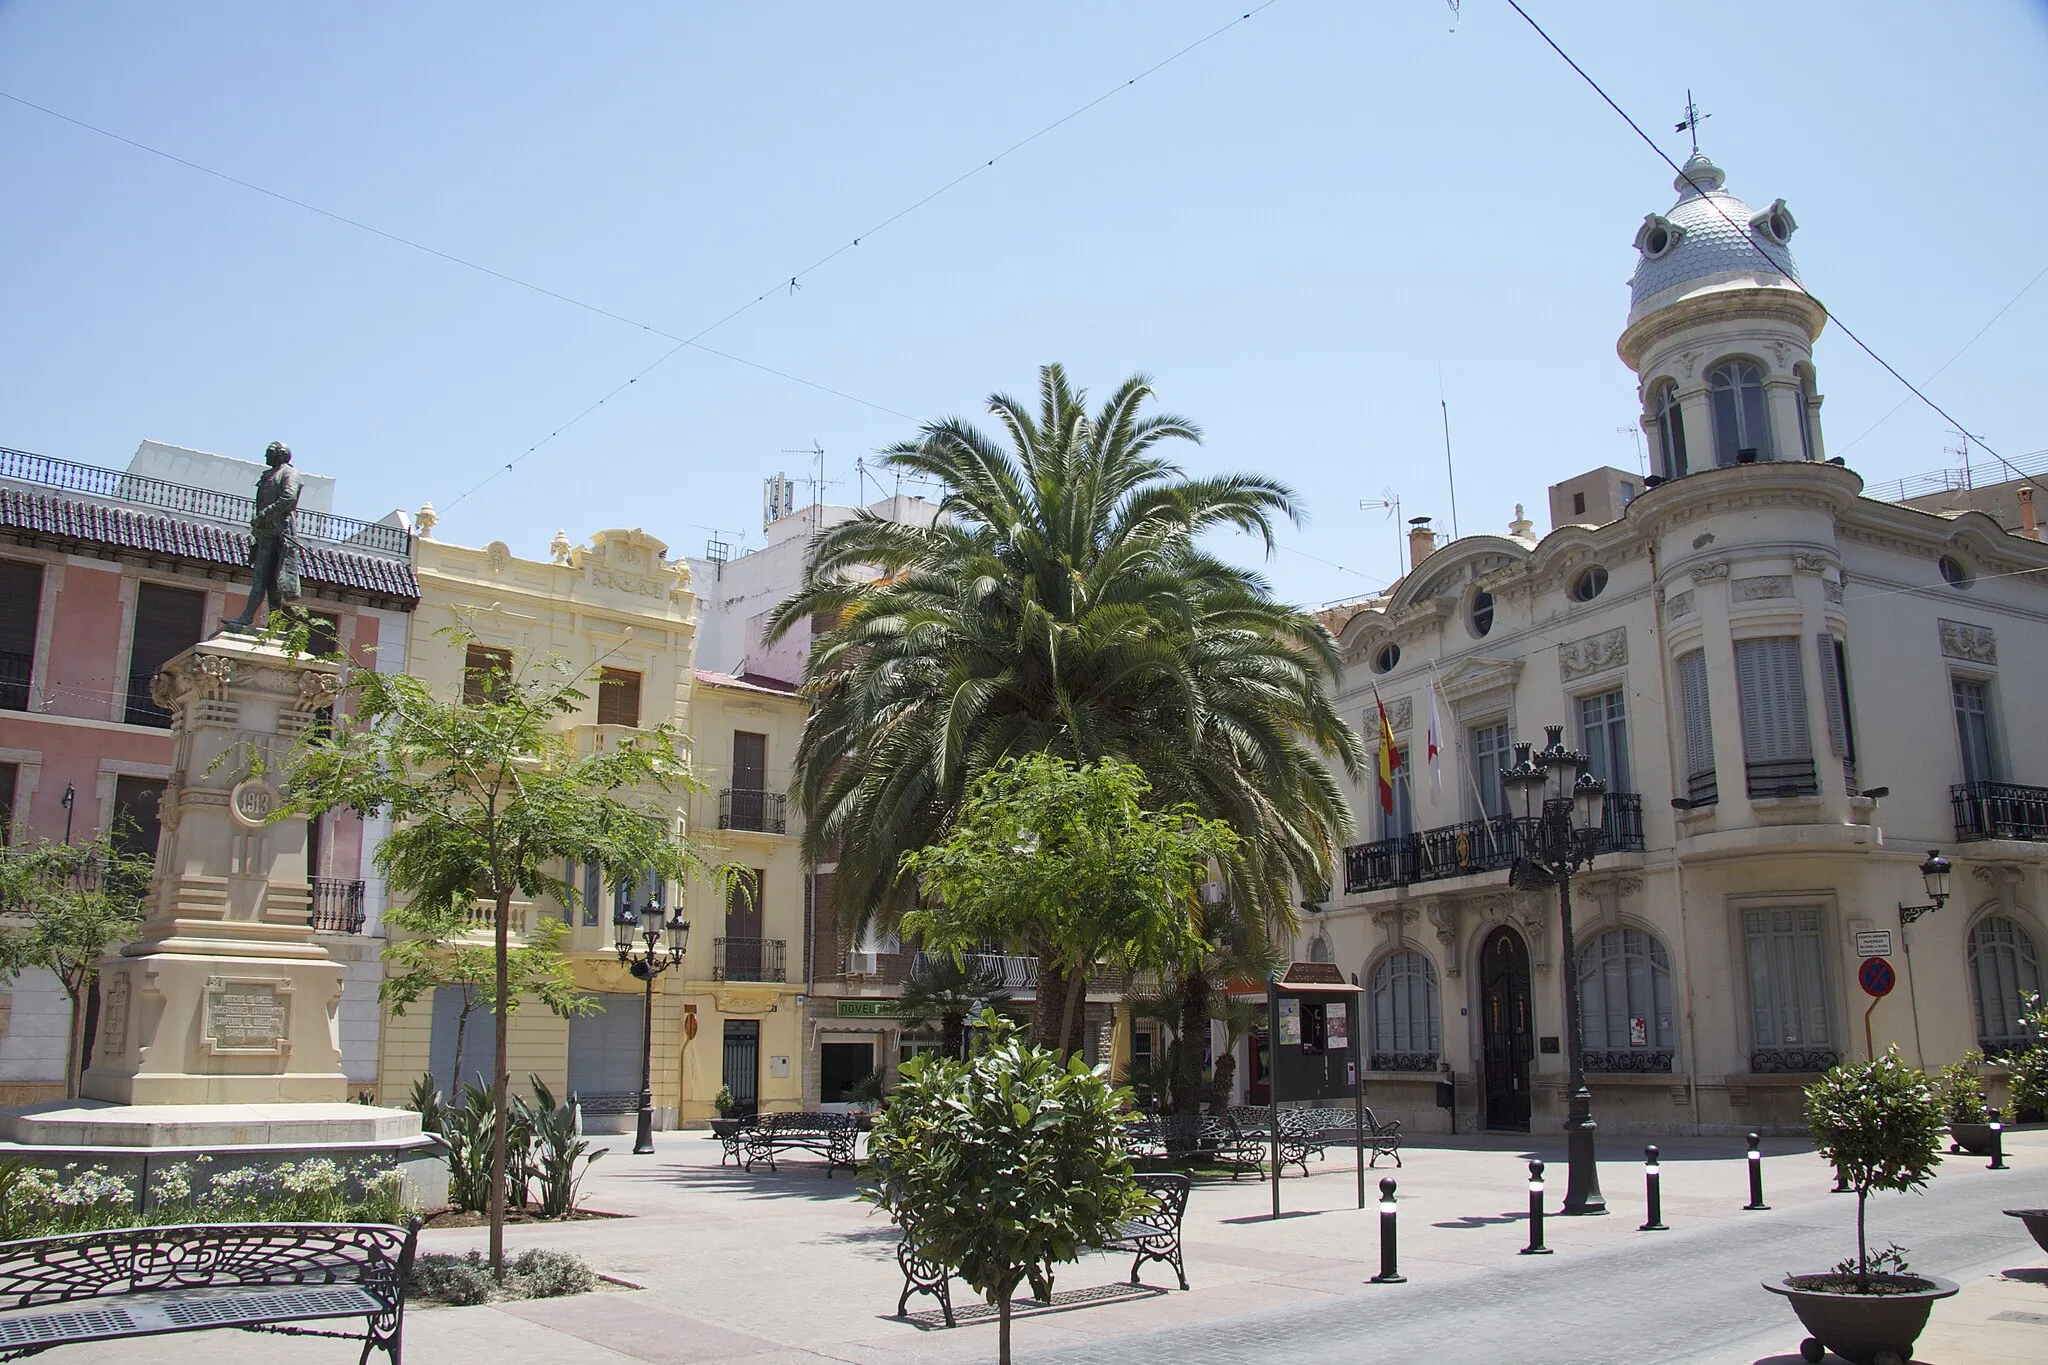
(953, 1034)
(1194, 1028)
(500, 1087)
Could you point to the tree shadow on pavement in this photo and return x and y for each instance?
(1063, 1301)
(1477, 1220)
(793, 1182)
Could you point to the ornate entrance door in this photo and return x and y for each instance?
(1509, 1032)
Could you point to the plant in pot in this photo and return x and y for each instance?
(2029, 1066)
(1962, 1099)
(1879, 1124)
(727, 1124)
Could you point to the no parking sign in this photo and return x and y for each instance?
(1877, 978)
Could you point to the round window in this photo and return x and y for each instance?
(1954, 572)
(1657, 242)
(1482, 613)
(1589, 584)
(1386, 659)
(1780, 224)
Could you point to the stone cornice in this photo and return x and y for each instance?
(1754, 304)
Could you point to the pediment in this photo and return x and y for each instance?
(1477, 677)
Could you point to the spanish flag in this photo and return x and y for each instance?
(1390, 757)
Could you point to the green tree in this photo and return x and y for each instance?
(1071, 857)
(1004, 1165)
(1879, 1124)
(66, 906)
(943, 990)
(1063, 605)
(489, 802)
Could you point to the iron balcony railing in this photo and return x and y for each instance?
(1625, 1059)
(228, 509)
(764, 812)
(337, 906)
(15, 671)
(1471, 846)
(1004, 970)
(142, 708)
(1795, 1060)
(1999, 810)
(748, 959)
(1402, 1061)
(1783, 777)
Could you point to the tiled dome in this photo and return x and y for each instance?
(1709, 234)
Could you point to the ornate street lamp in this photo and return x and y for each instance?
(1556, 806)
(648, 962)
(1934, 876)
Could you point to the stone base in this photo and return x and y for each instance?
(84, 1123)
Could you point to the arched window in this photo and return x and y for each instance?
(1625, 1002)
(1740, 423)
(2004, 967)
(1319, 949)
(1670, 430)
(1806, 401)
(1405, 1035)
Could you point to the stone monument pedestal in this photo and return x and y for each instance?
(225, 998)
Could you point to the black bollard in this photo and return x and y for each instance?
(1653, 1192)
(1390, 1266)
(1997, 1144)
(1756, 1174)
(1535, 1247)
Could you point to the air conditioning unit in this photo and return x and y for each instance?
(860, 964)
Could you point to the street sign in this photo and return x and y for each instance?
(1876, 977)
(1873, 943)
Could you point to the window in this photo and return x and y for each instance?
(168, 621)
(1142, 1050)
(1387, 660)
(1737, 392)
(1482, 613)
(1603, 734)
(1701, 787)
(1625, 1002)
(323, 635)
(841, 1068)
(1489, 750)
(1628, 493)
(1787, 991)
(1770, 686)
(1589, 584)
(2004, 968)
(21, 605)
(1973, 729)
(1400, 822)
(1670, 431)
(1405, 1033)
(484, 671)
(1834, 686)
(618, 696)
(1954, 572)
(1578, 504)
(749, 761)
(8, 773)
(587, 879)
(1806, 402)
(136, 824)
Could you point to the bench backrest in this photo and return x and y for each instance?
(805, 1123)
(1170, 1190)
(89, 1265)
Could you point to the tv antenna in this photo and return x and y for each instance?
(1391, 500)
(1635, 429)
(817, 482)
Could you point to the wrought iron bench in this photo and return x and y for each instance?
(830, 1136)
(139, 1282)
(1311, 1132)
(732, 1135)
(1179, 1137)
(1151, 1235)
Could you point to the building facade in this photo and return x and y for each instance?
(1794, 693)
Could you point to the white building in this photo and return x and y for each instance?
(1793, 692)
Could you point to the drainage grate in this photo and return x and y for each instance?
(81, 1324)
(265, 1307)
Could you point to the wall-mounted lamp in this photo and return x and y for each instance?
(1934, 875)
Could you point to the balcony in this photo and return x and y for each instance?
(1625, 1060)
(748, 959)
(1787, 777)
(1004, 970)
(1473, 846)
(764, 812)
(337, 906)
(1999, 810)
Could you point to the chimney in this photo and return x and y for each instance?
(2029, 528)
(1421, 541)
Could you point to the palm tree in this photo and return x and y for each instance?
(1063, 604)
(944, 992)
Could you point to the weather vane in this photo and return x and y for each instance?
(1691, 122)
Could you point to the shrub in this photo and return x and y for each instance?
(723, 1102)
(553, 1274)
(2030, 1067)
(1879, 1124)
(1962, 1094)
(532, 1274)
(453, 1279)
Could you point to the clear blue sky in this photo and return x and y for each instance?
(1291, 228)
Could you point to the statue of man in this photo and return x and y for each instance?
(274, 553)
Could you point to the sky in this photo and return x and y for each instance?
(1310, 229)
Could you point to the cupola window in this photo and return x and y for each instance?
(1387, 659)
(1589, 584)
(1670, 430)
(1776, 223)
(1955, 573)
(1657, 236)
(1742, 430)
(1482, 613)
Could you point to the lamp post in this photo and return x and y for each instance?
(1556, 806)
(1934, 875)
(647, 962)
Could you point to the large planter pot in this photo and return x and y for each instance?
(1864, 1329)
(725, 1128)
(1974, 1138)
(2036, 1221)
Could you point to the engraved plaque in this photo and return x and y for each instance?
(244, 1016)
(114, 1016)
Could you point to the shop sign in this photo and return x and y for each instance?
(871, 1009)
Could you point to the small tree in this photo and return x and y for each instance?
(1004, 1165)
(67, 906)
(1067, 857)
(489, 801)
(944, 990)
(1879, 1124)
(1962, 1094)
(2029, 1066)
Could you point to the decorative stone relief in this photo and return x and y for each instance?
(1705, 573)
(1444, 917)
(1973, 644)
(114, 1015)
(1833, 591)
(1400, 714)
(1703, 540)
(497, 554)
(1680, 603)
(1763, 588)
(1595, 653)
(1811, 563)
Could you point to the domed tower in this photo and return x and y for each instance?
(1720, 332)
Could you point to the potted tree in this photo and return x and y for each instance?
(727, 1124)
(1879, 1125)
(1962, 1097)
(2029, 1066)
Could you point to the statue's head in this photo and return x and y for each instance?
(279, 453)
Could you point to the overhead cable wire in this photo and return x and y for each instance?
(1755, 245)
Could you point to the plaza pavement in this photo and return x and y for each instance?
(779, 1268)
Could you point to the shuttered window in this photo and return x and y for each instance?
(1603, 734)
(323, 634)
(749, 761)
(1787, 983)
(21, 605)
(168, 621)
(484, 670)
(2005, 968)
(1834, 686)
(1700, 783)
(1973, 729)
(618, 696)
(1625, 993)
(1405, 1033)
(1770, 686)
(1489, 750)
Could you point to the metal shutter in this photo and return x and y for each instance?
(1834, 692)
(1771, 687)
(1699, 725)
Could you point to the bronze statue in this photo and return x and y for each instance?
(274, 551)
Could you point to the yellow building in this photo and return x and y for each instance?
(622, 612)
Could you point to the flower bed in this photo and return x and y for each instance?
(532, 1274)
(37, 1201)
